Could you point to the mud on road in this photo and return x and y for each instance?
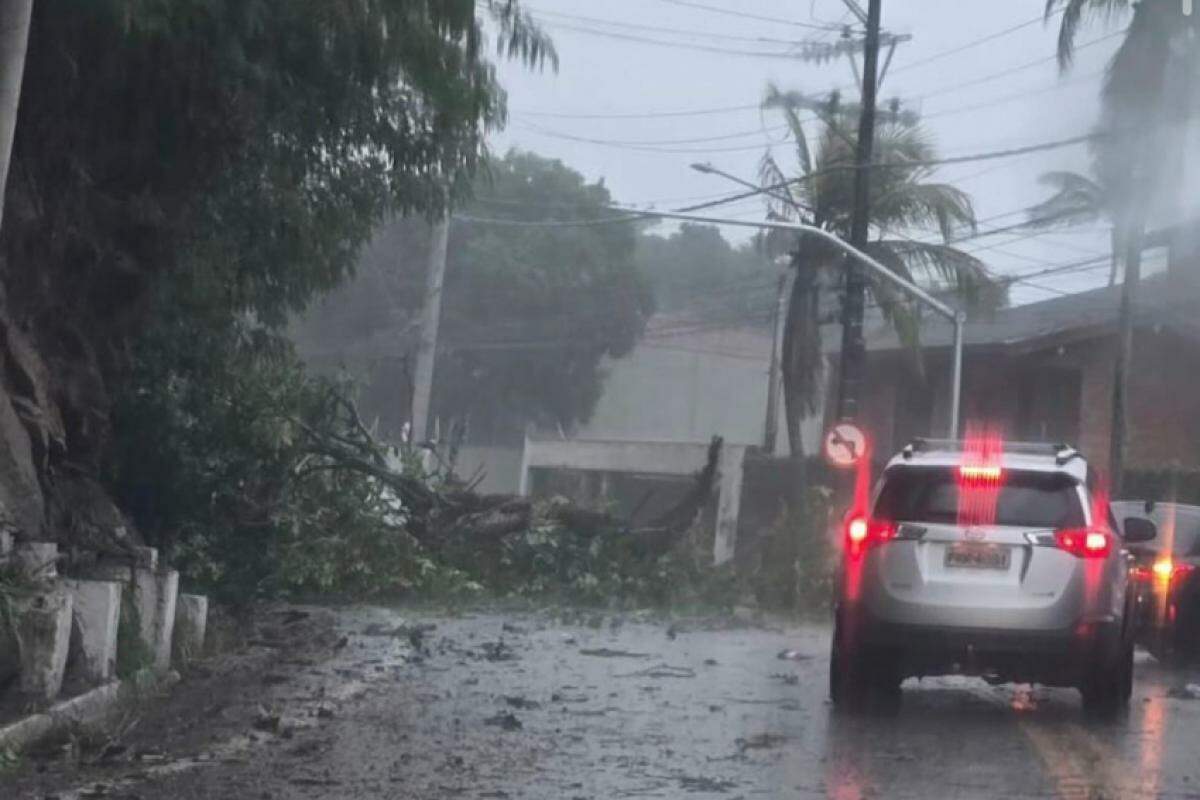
(385, 703)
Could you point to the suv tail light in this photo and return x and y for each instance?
(863, 533)
(1084, 542)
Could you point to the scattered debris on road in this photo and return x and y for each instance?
(605, 652)
(702, 784)
(761, 741)
(505, 720)
(518, 702)
(497, 651)
(661, 671)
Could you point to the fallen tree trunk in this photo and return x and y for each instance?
(665, 531)
(453, 515)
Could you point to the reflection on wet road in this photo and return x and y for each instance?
(532, 707)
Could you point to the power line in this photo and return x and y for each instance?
(936, 114)
(653, 143)
(971, 44)
(758, 106)
(987, 156)
(703, 48)
(745, 15)
(1019, 68)
(743, 148)
(1008, 98)
(700, 112)
(538, 13)
(654, 147)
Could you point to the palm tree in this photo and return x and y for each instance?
(1138, 156)
(1078, 200)
(903, 200)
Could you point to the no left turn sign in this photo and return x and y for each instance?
(845, 445)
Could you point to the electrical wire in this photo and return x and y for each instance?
(974, 43)
(540, 13)
(703, 48)
(758, 106)
(759, 17)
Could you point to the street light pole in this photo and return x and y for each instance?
(774, 372)
(431, 313)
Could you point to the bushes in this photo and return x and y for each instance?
(794, 563)
(592, 559)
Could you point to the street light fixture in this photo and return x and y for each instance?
(957, 318)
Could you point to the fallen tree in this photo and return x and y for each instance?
(515, 545)
(325, 507)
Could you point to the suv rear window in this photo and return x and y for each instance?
(1027, 499)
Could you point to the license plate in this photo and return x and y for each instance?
(977, 556)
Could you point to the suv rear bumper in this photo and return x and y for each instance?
(1052, 657)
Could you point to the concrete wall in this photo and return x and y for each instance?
(501, 467)
(690, 387)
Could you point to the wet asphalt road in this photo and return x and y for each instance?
(623, 709)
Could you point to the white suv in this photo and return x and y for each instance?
(1002, 564)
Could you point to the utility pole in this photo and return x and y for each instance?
(431, 314)
(853, 347)
(771, 427)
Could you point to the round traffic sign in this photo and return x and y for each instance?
(845, 445)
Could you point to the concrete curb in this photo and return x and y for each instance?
(91, 707)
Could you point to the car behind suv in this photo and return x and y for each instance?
(997, 561)
(1166, 574)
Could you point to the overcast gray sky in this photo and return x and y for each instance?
(623, 60)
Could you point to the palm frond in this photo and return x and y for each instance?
(1077, 200)
(898, 310)
(771, 174)
(926, 205)
(904, 317)
(519, 36)
(788, 103)
(942, 264)
(1074, 13)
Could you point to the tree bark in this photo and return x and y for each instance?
(14, 38)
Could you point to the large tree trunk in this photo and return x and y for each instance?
(801, 354)
(14, 37)
(801, 376)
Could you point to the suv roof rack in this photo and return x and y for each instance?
(1062, 453)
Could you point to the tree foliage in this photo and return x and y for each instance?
(528, 312)
(1146, 98)
(695, 270)
(185, 175)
